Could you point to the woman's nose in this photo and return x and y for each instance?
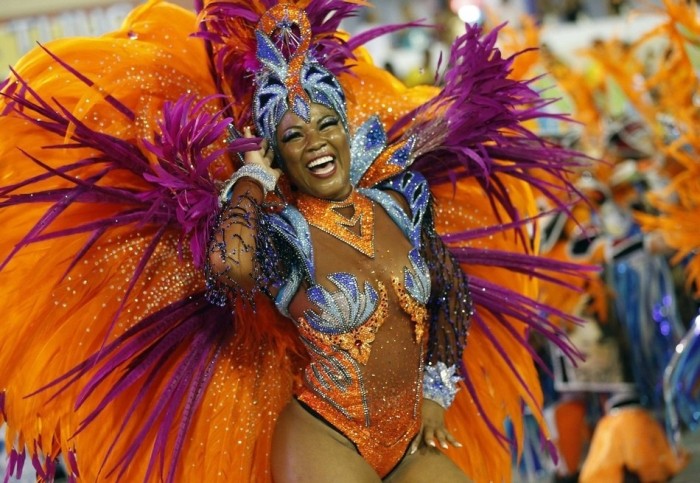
(316, 141)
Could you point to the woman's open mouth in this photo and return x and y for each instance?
(322, 167)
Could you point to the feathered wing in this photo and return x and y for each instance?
(484, 166)
(109, 186)
(672, 120)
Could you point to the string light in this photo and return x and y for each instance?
(469, 11)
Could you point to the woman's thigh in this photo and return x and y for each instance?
(427, 465)
(305, 449)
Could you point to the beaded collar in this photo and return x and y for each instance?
(355, 229)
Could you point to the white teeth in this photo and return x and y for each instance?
(324, 170)
(319, 161)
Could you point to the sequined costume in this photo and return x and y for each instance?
(362, 313)
(139, 369)
(366, 361)
(366, 370)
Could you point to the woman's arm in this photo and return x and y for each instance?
(450, 310)
(233, 250)
(450, 306)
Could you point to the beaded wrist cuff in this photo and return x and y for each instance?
(254, 171)
(440, 383)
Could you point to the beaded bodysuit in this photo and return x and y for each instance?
(363, 322)
(380, 305)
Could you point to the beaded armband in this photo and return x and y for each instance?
(440, 383)
(253, 171)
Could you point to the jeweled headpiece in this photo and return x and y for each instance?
(270, 56)
(290, 78)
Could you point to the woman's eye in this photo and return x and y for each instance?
(290, 135)
(329, 122)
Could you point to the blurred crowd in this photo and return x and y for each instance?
(619, 415)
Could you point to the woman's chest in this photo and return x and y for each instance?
(350, 286)
(389, 245)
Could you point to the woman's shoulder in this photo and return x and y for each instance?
(406, 198)
(376, 160)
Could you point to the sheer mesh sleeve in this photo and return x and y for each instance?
(242, 257)
(450, 305)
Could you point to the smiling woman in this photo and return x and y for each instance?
(350, 246)
(315, 155)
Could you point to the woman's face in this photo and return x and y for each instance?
(316, 155)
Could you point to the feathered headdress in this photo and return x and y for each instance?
(265, 52)
(293, 81)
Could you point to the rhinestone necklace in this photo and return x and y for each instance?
(327, 216)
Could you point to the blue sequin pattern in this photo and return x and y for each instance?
(294, 229)
(271, 99)
(415, 189)
(292, 232)
(343, 310)
(440, 383)
(417, 279)
(367, 144)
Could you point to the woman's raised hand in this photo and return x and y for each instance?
(262, 157)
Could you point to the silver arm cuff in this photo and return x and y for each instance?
(254, 171)
(440, 383)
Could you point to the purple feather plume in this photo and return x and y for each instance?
(476, 128)
(182, 174)
(479, 128)
(180, 191)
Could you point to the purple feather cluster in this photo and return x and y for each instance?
(181, 176)
(477, 128)
(178, 191)
(480, 127)
(181, 192)
(139, 357)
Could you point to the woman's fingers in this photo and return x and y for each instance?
(263, 156)
(434, 436)
(264, 145)
(429, 436)
(267, 152)
(434, 432)
(452, 440)
(415, 444)
(441, 438)
(445, 439)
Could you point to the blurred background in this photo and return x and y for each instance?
(571, 22)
